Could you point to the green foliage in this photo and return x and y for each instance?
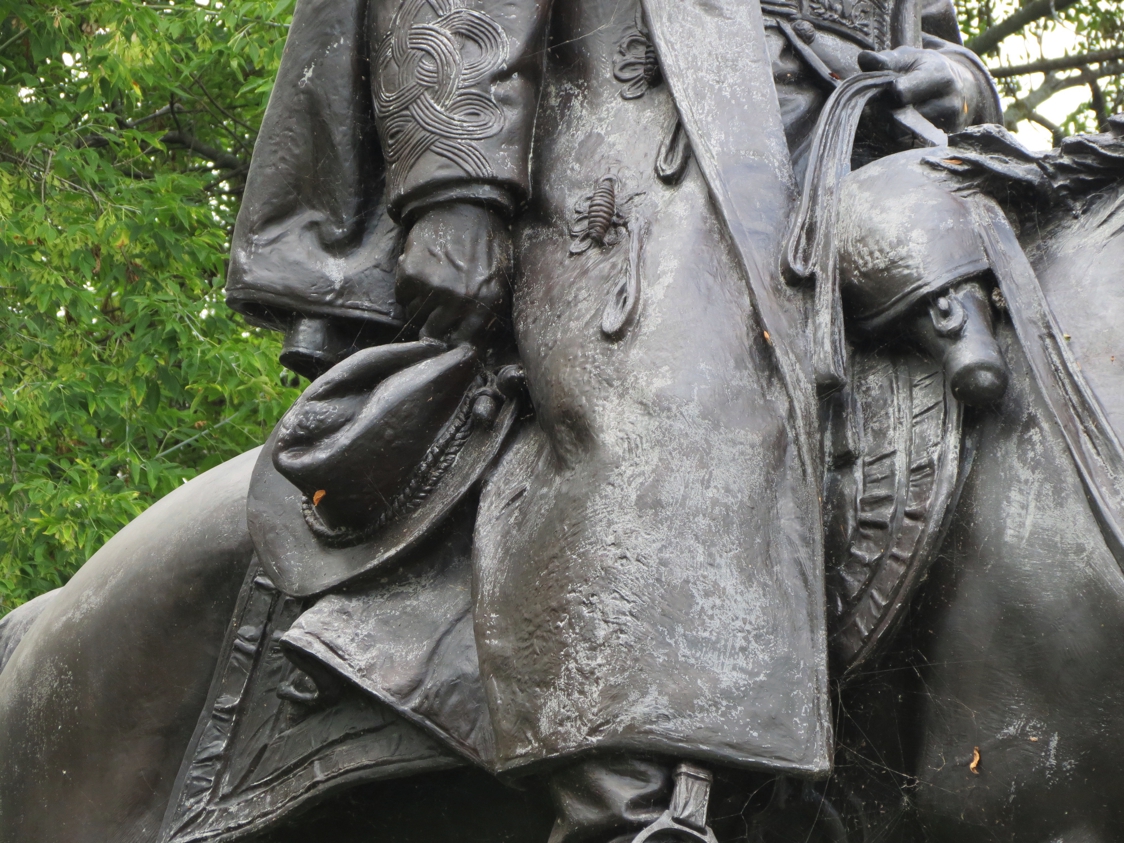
(122, 374)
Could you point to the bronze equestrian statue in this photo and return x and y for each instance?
(659, 352)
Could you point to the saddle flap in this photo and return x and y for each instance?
(888, 495)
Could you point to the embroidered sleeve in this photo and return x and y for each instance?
(455, 85)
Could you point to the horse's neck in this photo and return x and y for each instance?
(1080, 264)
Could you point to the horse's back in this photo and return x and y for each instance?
(101, 695)
(1080, 263)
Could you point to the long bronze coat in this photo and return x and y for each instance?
(647, 569)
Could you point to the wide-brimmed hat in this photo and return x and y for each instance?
(372, 457)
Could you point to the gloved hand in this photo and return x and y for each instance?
(942, 89)
(455, 271)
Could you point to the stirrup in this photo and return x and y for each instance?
(685, 820)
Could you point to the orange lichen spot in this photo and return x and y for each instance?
(318, 496)
(975, 765)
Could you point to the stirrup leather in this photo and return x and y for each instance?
(685, 819)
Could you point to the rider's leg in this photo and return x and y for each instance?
(100, 698)
(606, 799)
(612, 798)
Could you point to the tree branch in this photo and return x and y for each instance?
(226, 177)
(21, 34)
(1022, 109)
(989, 39)
(224, 112)
(1063, 63)
(1100, 107)
(1055, 130)
(12, 455)
(170, 108)
(221, 157)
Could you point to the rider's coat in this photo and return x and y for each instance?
(647, 568)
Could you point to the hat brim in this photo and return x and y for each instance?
(302, 565)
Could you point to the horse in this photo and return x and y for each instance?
(994, 715)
